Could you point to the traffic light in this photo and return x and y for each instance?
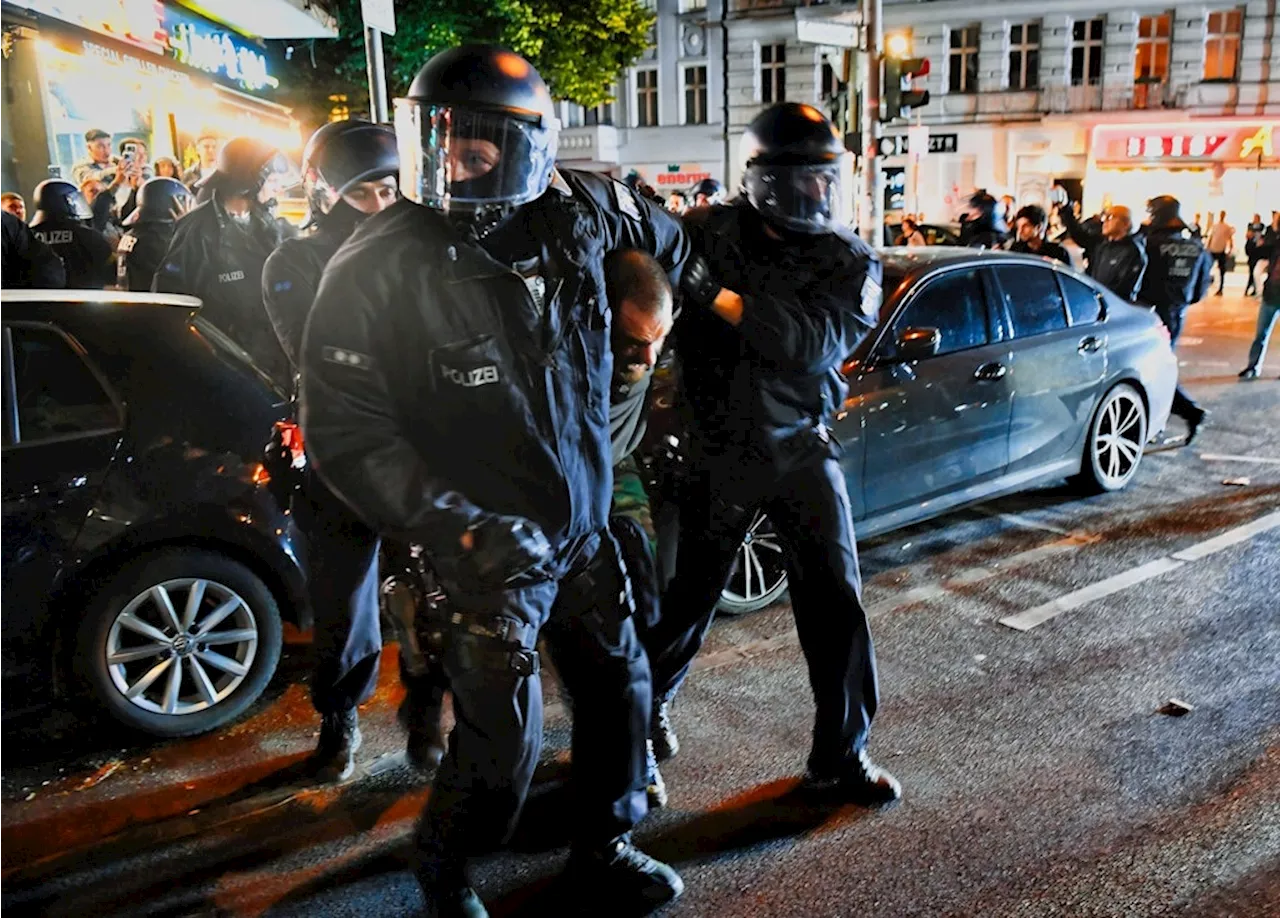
(899, 96)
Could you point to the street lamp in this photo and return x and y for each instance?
(898, 45)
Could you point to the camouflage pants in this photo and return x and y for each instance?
(630, 498)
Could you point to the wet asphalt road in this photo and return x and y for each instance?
(1039, 778)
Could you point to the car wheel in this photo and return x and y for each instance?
(1117, 435)
(180, 642)
(759, 576)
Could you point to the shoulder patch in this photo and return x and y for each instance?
(872, 295)
(626, 199)
(347, 358)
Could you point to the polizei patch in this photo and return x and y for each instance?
(470, 379)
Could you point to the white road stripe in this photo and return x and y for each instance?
(1219, 457)
(1025, 621)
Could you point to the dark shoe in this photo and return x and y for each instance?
(655, 787)
(619, 876)
(1248, 373)
(1193, 426)
(448, 894)
(859, 782)
(665, 742)
(334, 758)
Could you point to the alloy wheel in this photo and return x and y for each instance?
(1119, 437)
(759, 573)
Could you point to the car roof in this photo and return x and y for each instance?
(917, 260)
(99, 296)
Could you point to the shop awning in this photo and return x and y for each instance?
(271, 18)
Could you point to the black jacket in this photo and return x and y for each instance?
(1048, 249)
(764, 394)
(1178, 267)
(291, 276)
(142, 249)
(28, 262)
(85, 252)
(213, 257)
(981, 233)
(1119, 265)
(436, 395)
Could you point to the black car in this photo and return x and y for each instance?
(149, 555)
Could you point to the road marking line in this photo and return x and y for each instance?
(1022, 522)
(1219, 457)
(1025, 621)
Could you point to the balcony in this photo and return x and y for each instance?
(1062, 100)
(594, 144)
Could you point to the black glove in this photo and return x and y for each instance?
(697, 282)
(504, 547)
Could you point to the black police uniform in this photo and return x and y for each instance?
(762, 397)
(61, 222)
(439, 398)
(142, 249)
(221, 261)
(1117, 264)
(343, 551)
(1178, 269)
(28, 262)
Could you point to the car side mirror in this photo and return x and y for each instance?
(915, 343)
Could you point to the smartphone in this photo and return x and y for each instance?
(130, 151)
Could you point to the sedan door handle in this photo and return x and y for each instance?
(1089, 345)
(990, 371)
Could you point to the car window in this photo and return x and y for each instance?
(57, 393)
(1033, 299)
(953, 304)
(1082, 301)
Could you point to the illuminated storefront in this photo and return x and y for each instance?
(134, 68)
(1209, 165)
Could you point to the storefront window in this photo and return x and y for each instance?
(1222, 46)
(1151, 64)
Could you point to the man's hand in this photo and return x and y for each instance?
(697, 282)
(502, 548)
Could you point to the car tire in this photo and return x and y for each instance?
(1113, 445)
(223, 637)
(759, 576)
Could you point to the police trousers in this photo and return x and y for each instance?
(342, 585)
(1184, 406)
(493, 669)
(811, 513)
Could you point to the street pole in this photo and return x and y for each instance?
(871, 224)
(377, 75)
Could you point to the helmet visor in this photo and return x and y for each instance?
(803, 198)
(454, 158)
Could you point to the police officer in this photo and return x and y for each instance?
(982, 226)
(455, 386)
(28, 262)
(707, 192)
(161, 201)
(61, 222)
(349, 171)
(1116, 256)
(1178, 267)
(778, 294)
(219, 249)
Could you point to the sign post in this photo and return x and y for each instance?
(379, 16)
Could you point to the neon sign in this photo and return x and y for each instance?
(217, 53)
(1259, 143)
(1195, 146)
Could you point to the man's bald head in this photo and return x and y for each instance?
(1117, 222)
(640, 295)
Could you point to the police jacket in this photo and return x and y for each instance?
(28, 262)
(1119, 265)
(141, 250)
(291, 275)
(435, 393)
(981, 233)
(763, 394)
(85, 252)
(1178, 267)
(213, 257)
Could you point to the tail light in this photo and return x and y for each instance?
(291, 439)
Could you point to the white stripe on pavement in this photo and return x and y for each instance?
(1219, 457)
(1025, 621)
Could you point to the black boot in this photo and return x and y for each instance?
(334, 758)
(426, 743)
(665, 742)
(857, 781)
(447, 891)
(1194, 421)
(619, 876)
(655, 787)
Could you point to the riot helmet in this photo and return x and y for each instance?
(1165, 212)
(478, 135)
(341, 155)
(708, 191)
(55, 199)
(252, 168)
(161, 200)
(791, 159)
